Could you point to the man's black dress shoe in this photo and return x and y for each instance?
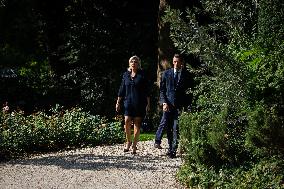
(171, 155)
(158, 146)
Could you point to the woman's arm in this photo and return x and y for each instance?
(148, 104)
(121, 94)
(118, 104)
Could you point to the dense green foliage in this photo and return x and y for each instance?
(237, 123)
(268, 173)
(20, 134)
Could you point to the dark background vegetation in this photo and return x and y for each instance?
(73, 52)
(69, 57)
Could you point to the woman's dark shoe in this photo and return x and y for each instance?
(127, 147)
(125, 150)
(134, 150)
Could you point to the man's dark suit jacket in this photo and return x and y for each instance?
(175, 96)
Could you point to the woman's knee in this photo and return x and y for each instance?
(137, 120)
(127, 120)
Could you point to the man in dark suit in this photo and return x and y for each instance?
(173, 97)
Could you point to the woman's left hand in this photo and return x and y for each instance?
(148, 108)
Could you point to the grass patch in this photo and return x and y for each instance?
(147, 136)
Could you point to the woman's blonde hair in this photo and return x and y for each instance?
(134, 58)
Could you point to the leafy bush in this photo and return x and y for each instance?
(236, 123)
(63, 128)
(266, 173)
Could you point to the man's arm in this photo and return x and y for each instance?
(163, 89)
(163, 93)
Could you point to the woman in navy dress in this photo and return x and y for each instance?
(134, 93)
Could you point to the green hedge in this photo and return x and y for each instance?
(20, 134)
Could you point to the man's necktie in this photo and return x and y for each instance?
(176, 78)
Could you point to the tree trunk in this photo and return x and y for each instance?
(166, 48)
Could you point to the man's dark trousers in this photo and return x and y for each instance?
(170, 122)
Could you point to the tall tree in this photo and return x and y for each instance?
(166, 47)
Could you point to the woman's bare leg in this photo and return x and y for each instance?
(137, 126)
(127, 128)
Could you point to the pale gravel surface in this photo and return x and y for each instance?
(102, 167)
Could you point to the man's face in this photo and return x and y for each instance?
(177, 63)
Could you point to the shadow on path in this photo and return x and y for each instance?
(97, 162)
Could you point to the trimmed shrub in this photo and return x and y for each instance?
(21, 134)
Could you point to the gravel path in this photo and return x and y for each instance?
(99, 167)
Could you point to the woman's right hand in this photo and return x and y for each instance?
(117, 107)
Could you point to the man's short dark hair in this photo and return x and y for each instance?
(179, 57)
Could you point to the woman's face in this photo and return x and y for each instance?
(133, 64)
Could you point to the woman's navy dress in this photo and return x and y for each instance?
(134, 92)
